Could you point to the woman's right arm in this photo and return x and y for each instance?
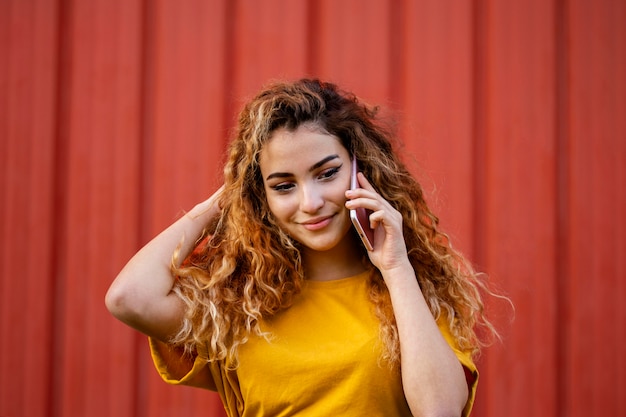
(141, 295)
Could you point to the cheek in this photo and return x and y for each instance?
(279, 208)
(339, 193)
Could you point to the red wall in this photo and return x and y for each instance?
(114, 115)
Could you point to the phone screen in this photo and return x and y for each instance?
(360, 216)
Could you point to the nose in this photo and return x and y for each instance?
(311, 199)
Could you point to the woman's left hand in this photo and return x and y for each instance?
(389, 247)
(432, 376)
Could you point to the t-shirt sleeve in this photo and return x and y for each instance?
(178, 368)
(465, 357)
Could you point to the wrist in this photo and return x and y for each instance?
(402, 272)
(203, 211)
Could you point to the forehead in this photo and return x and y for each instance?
(301, 148)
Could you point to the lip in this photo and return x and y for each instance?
(317, 223)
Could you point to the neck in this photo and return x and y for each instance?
(344, 260)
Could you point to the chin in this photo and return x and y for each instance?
(325, 245)
(319, 246)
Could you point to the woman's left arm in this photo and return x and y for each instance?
(433, 378)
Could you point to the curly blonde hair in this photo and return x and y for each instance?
(248, 269)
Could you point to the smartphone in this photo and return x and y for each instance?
(361, 217)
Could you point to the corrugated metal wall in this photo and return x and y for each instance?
(114, 115)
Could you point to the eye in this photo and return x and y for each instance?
(283, 187)
(329, 173)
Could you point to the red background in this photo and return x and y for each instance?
(114, 115)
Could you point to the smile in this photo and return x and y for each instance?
(316, 224)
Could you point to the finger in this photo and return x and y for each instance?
(361, 197)
(365, 189)
(376, 218)
(364, 183)
(372, 202)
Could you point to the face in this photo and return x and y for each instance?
(306, 174)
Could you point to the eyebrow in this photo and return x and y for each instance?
(313, 168)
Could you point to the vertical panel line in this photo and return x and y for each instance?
(397, 62)
(312, 41)
(63, 95)
(479, 156)
(562, 220)
(144, 213)
(479, 150)
(229, 105)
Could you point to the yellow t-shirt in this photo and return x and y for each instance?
(324, 358)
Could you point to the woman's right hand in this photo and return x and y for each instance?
(141, 295)
(208, 210)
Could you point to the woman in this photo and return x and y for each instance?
(271, 299)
